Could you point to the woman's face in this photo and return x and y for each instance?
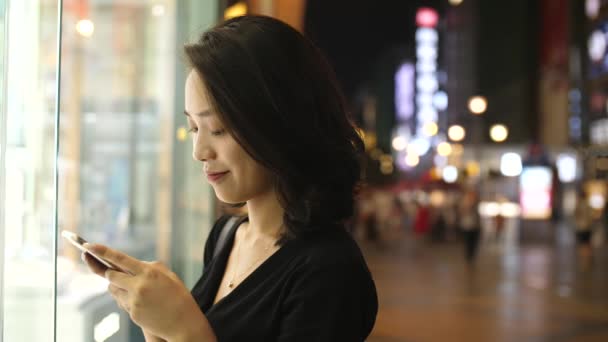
(233, 174)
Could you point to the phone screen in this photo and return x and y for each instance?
(79, 242)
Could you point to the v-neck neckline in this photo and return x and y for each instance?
(222, 263)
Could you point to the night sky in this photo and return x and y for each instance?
(357, 35)
(354, 33)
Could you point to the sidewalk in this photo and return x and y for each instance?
(528, 293)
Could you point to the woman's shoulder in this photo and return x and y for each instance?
(331, 248)
(217, 228)
(331, 268)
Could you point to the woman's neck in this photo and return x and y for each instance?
(265, 216)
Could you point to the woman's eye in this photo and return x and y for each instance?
(192, 129)
(218, 132)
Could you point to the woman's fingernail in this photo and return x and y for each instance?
(83, 257)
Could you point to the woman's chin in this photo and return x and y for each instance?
(228, 199)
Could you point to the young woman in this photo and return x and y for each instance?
(270, 129)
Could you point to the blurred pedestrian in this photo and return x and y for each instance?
(422, 221)
(470, 225)
(439, 225)
(583, 222)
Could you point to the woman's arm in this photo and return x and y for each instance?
(195, 328)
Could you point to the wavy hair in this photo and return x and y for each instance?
(279, 98)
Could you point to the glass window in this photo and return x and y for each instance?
(125, 175)
(28, 169)
(118, 81)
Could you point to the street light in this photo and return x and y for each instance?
(456, 133)
(412, 159)
(444, 149)
(499, 133)
(472, 168)
(478, 105)
(510, 164)
(399, 143)
(430, 129)
(450, 174)
(85, 27)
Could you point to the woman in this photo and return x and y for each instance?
(269, 125)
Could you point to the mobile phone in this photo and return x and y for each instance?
(79, 242)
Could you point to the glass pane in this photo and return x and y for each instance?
(125, 174)
(117, 111)
(3, 21)
(193, 201)
(28, 169)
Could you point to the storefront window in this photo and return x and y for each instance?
(125, 177)
(117, 91)
(28, 169)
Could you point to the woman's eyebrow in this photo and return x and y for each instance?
(205, 112)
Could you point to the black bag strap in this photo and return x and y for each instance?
(221, 240)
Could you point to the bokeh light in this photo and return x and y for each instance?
(499, 133)
(456, 133)
(478, 105)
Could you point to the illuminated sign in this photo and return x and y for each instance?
(510, 164)
(427, 83)
(404, 91)
(566, 167)
(597, 46)
(599, 132)
(535, 192)
(417, 95)
(592, 8)
(427, 17)
(597, 49)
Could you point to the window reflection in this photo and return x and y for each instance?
(28, 168)
(125, 180)
(117, 85)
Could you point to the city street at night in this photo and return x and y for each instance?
(535, 292)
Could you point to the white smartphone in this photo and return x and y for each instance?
(79, 242)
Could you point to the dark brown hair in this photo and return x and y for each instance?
(278, 97)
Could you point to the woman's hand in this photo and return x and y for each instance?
(155, 298)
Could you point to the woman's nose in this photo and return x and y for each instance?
(202, 151)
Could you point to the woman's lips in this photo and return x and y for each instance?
(216, 176)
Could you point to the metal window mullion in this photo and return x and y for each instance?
(56, 167)
(3, 141)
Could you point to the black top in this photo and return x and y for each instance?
(316, 288)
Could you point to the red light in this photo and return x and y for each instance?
(427, 17)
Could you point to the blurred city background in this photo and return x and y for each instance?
(483, 212)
